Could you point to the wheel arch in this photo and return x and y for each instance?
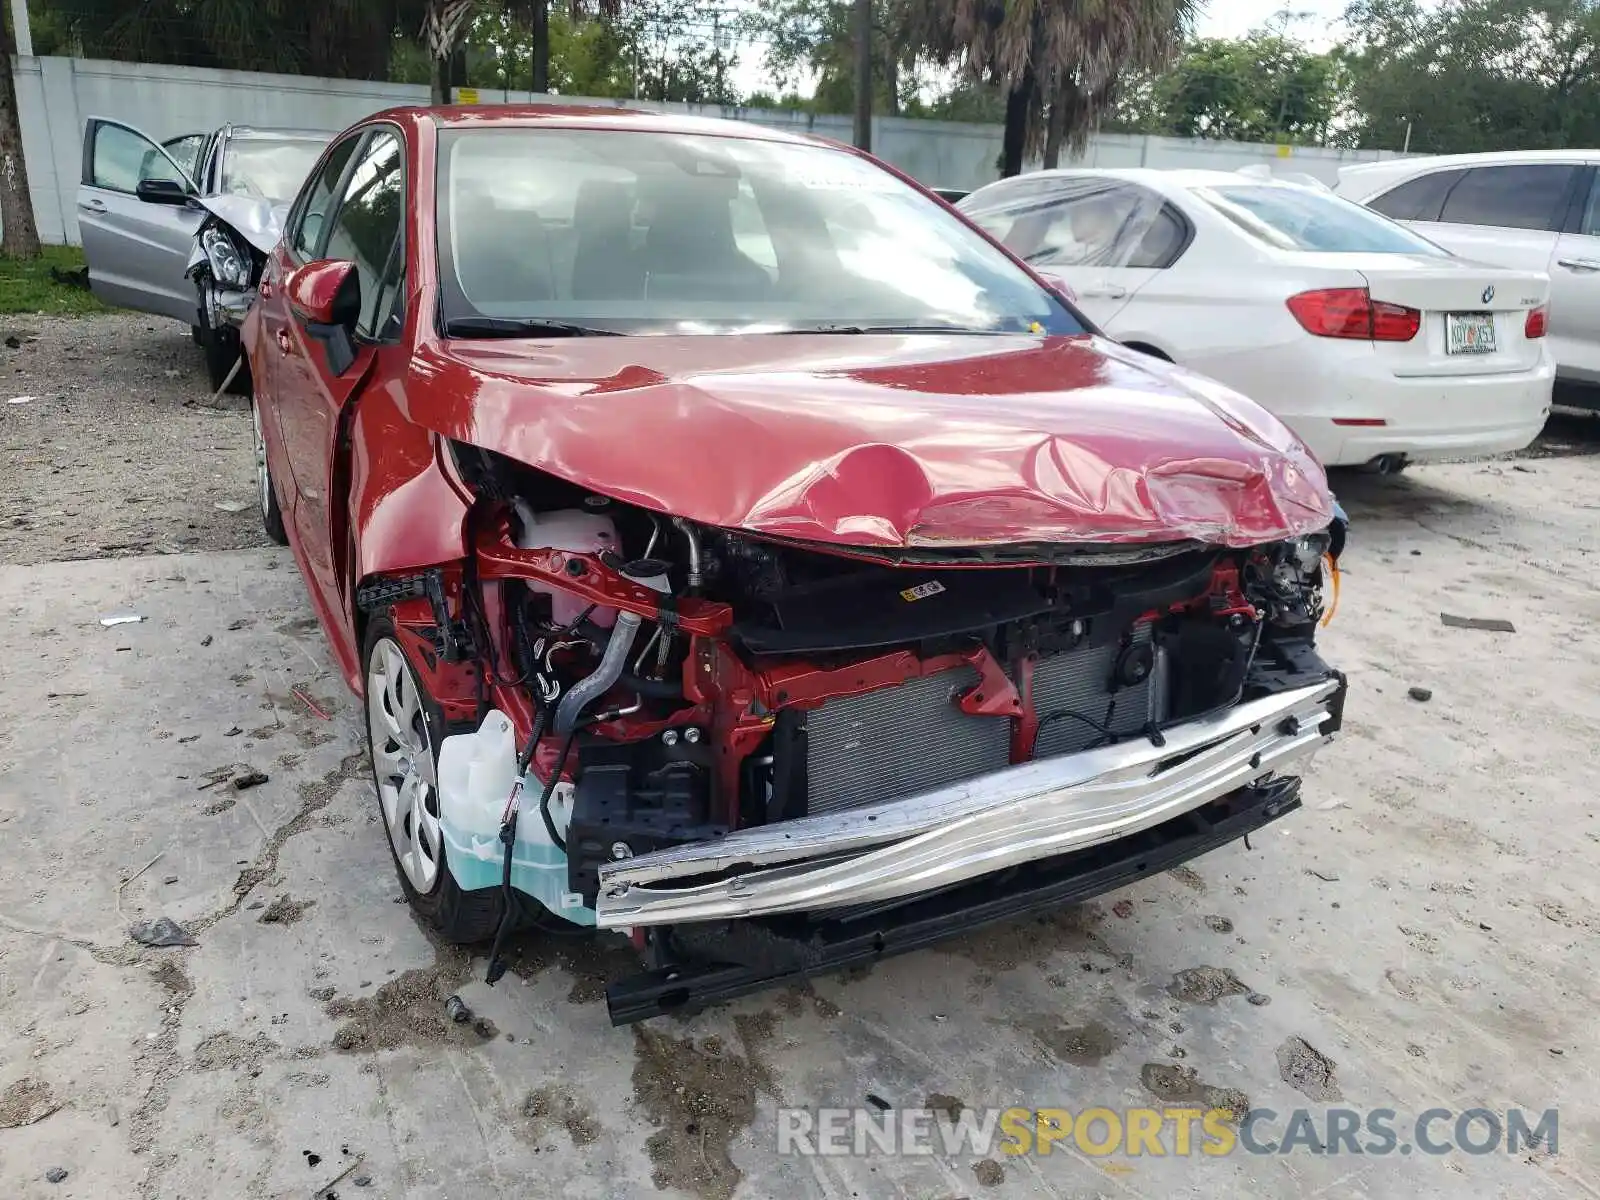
(1145, 346)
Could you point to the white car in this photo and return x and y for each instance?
(1374, 345)
(1535, 210)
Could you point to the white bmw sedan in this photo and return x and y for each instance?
(1372, 343)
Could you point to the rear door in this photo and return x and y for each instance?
(1575, 288)
(1507, 215)
(136, 250)
(1527, 217)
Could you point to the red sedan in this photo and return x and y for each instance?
(736, 548)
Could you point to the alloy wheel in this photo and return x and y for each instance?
(263, 478)
(402, 758)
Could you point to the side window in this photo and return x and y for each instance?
(185, 152)
(1591, 209)
(311, 213)
(1163, 242)
(1520, 197)
(366, 229)
(120, 157)
(1417, 199)
(1089, 222)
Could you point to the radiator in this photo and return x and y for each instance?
(1080, 682)
(898, 741)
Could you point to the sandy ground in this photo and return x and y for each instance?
(1422, 934)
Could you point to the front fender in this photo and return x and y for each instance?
(408, 510)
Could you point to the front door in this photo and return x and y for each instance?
(137, 250)
(313, 384)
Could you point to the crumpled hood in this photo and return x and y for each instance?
(259, 222)
(885, 441)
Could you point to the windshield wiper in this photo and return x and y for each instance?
(488, 327)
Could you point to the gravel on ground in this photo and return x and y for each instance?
(110, 445)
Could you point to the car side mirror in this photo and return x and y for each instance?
(162, 191)
(326, 296)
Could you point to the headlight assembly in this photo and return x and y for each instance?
(229, 267)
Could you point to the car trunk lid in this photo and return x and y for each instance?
(1473, 317)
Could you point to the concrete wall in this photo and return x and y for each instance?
(56, 96)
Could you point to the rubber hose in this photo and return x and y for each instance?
(656, 689)
(581, 694)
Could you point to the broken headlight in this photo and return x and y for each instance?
(229, 266)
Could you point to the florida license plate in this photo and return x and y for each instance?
(1470, 333)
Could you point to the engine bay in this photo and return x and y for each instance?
(671, 683)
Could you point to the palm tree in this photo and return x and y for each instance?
(1069, 53)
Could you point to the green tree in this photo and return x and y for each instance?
(815, 37)
(346, 39)
(1474, 74)
(1260, 88)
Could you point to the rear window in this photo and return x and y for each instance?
(1081, 221)
(1529, 196)
(1418, 199)
(1295, 218)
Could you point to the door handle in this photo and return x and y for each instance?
(283, 341)
(97, 206)
(1580, 265)
(1106, 291)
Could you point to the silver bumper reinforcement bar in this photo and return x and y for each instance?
(904, 847)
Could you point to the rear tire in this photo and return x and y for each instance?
(404, 727)
(221, 346)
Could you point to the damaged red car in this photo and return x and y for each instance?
(736, 549)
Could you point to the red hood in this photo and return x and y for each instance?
(886, 440)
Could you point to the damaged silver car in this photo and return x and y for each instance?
(181, 228)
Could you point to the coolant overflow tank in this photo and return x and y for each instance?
(577, 532)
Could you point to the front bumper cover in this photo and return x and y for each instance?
(946, 837)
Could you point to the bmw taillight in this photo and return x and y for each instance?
(1538, 322)
(1353, 313)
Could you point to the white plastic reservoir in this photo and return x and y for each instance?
(573, 530)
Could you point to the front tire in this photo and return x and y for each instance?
(220, 343)
(404, 726)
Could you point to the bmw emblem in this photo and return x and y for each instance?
(1488, 293)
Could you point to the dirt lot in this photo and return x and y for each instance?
(116, 448)
(1420, 936)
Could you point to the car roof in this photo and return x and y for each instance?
(1159, 179)
(247, 133)
(1491, 158)
(591, 116)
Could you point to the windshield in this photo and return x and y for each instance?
(636, 232)
(268, 168)
(1295, 218)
